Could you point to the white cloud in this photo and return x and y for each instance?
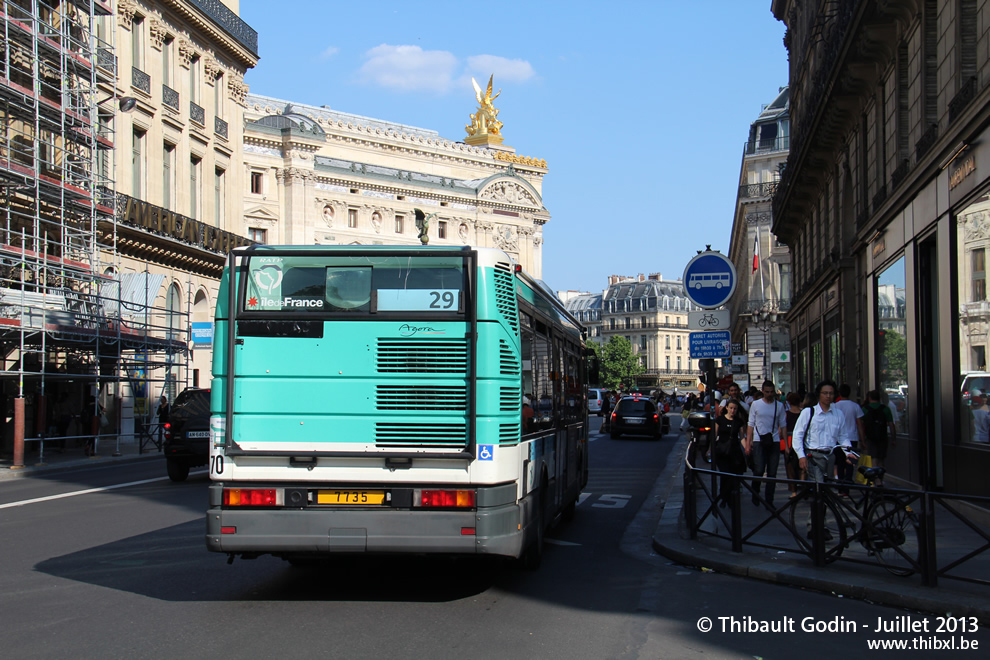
(329, 52)
(408, 68)
(504, 69)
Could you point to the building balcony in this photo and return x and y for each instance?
(972, 311)
(757, 190)
(230, 22)
(106, 60)
(197, 114)
(170, 98)
(753, 147)
(220, 127)
(140, 80)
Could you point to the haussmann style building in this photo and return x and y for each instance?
(884, 206)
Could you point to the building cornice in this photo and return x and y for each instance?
(193, 13)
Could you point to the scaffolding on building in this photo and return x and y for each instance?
(74, 331)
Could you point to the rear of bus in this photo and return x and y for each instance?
(366, 399)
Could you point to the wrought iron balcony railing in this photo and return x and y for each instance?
(170, 98)
(197, 114)
(962, 98)
(220, 127)
(140, 80)
(767, 146)
(926, 141)
(106, 60)
(243, 33)
(754, 190)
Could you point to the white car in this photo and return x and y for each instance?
(974, 384)
(595, 398)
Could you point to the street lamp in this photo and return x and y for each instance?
(765, 318)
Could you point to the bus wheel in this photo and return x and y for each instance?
(533, 555)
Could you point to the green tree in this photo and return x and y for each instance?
(893, 359)
(617, 363)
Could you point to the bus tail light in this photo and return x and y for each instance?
(250, 497)
(447, 499)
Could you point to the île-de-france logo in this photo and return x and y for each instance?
(267, 278)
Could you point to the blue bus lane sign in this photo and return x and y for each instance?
(715, 344)
(709, 280)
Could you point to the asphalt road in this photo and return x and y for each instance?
(124, 572)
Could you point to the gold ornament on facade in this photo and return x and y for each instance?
(519, 160)
(485, 128)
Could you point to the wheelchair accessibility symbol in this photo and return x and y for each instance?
(485, 452)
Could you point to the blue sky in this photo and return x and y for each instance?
(646, 102)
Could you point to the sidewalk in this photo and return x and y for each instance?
(866, 582)
(71, 457)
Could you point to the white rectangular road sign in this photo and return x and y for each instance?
(714, 319)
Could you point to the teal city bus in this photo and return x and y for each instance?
(389, 399)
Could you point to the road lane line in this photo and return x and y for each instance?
(74, 493)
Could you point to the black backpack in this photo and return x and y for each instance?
(875, 422)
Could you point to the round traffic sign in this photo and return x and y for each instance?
(709, 279)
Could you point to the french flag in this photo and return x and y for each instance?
(756, 252)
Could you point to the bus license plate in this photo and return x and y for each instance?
(350, 497)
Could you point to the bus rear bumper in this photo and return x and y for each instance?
(286, 532)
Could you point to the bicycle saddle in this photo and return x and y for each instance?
(871, 473)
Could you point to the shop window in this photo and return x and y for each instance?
(979, 274)
(892, 352)
(973, 239)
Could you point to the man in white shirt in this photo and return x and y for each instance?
(817, 433)
(769, 419)
(853, 429)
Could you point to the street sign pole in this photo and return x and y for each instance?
(709, 282)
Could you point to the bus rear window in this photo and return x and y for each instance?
(356, 284)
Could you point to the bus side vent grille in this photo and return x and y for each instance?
(430, 356)
(505, 295)
(509, 399)
(508, 360)
(421, 398)
(405, 434)
(508, 433)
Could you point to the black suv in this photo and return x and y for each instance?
(636, 415)
(187, 434)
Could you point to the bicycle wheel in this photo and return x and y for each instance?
(834, 528)
(892, 535)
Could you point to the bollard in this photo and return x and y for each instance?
(735, 503)
(818, 525)
(18, 433)
(690, 503)
(926, 529)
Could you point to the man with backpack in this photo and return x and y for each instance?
(878, 426)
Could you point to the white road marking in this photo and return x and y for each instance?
(582, 497)
(559, 542)
(88, 491)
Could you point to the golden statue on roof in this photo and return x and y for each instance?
(485, 128)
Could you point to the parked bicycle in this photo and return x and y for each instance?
(882, 522)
